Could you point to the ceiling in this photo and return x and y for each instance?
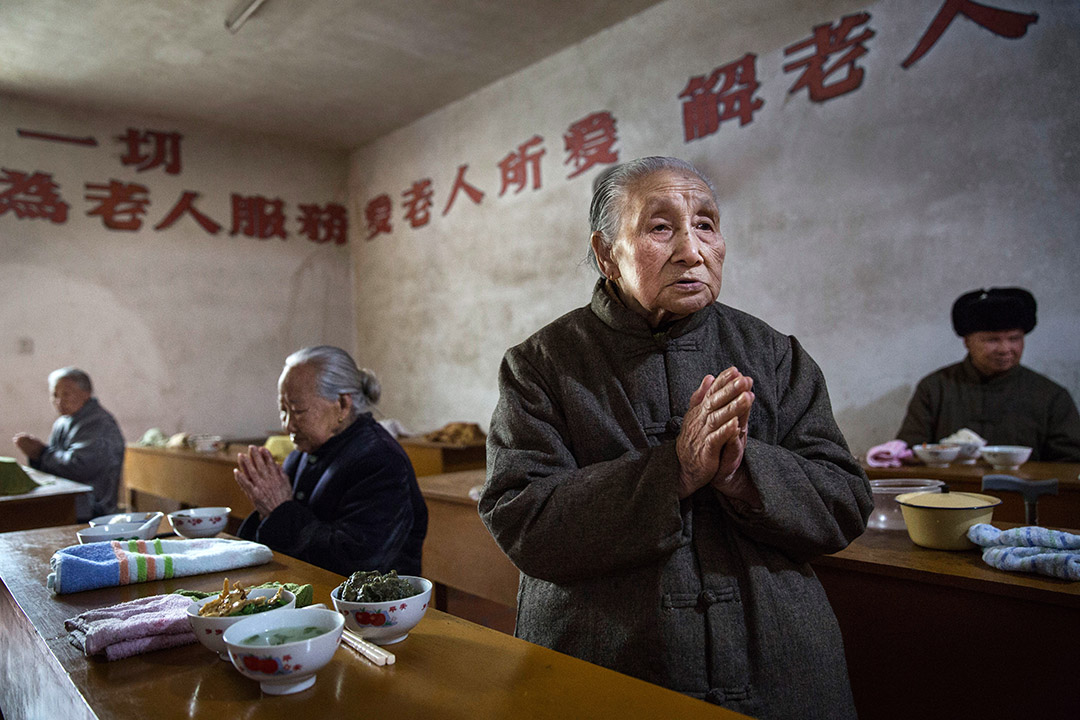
(336, 73)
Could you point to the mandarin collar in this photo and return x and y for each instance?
(973, 373)
(342, 438)
(611, 311)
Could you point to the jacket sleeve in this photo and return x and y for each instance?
(367, 530)
(922, 413)
(815, 496)
(92, 449)
(1063, 435)
(555, 520)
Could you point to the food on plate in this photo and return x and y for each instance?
(373, 586)
(458, 433)
(234, 600)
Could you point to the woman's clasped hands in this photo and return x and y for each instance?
(713, 437)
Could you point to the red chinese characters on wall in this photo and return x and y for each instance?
(835, 50)
(461, 185)
(31, 196)
(120, 205)
(590, 141)
(1004, 23)
(162, 150)
(377, 214)
(518, 165)
(418, 203)
(324, 223)
(725, 94)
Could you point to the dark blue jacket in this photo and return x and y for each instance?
(356, 506)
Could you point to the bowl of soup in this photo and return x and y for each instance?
(283, 649)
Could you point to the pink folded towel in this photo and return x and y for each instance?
(131, 628)
(890, 454)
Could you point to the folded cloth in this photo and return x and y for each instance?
(890, 454)
(120, 631)
(1029, 549)
(121, 562)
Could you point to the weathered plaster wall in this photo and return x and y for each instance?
(852, 224)
(179, 329)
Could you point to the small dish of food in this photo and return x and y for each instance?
(936, 454)
(282, 650)
(382, 608)
(1006, 457)
(212, 616)
(199, 522)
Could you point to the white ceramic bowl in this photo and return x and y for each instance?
(289, 667)
(936, 454)
(210, 630)
(116, 531)
(887, 514)
(130, 517)
(941, 520)
(199, 522)
(1006, 457)
(384, 623)
(969, 452)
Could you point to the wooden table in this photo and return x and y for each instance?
(447, 668)
(183, 479)
(53, 503)
(940, 634)
(1061, 510)
(433, 458)
(459, 551)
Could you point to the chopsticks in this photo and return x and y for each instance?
(368, 649)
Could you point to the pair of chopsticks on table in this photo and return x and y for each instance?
(368, 649)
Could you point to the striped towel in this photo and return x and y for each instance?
(131, 628)
(122, 562)
(1029, 549)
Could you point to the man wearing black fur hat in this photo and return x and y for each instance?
(989, 392)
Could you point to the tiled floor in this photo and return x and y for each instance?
(480, 611)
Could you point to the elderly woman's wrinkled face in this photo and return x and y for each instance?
(308, 417)
(668, 258)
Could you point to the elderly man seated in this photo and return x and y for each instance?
(989, 391)
(85, 444)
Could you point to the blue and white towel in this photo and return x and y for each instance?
(1029, 549)
(122, 562)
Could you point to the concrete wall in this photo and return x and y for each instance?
(852, 224)
(179, 329)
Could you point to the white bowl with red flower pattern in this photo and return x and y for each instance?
(384, 623)
(199, 522)
(210, 630)
(291, 666)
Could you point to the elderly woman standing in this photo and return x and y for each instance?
(346, 499)
(661, 467)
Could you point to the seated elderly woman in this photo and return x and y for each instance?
(661, 467)
(346, 499)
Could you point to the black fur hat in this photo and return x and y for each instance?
(994, 309)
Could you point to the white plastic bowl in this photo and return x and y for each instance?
(384, 623)
(290, 667)
(211, 630)
(129, 517)
(116, 531)
(199, 522)
(1006, 457)
(887, 514)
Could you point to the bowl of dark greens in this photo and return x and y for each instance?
(382, 607)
